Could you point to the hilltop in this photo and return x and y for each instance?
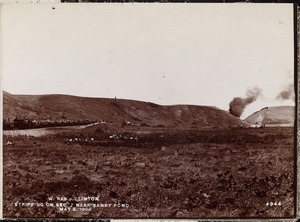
(66, 107)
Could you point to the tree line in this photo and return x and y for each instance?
(24, 123)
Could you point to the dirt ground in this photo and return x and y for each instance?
(151, 173)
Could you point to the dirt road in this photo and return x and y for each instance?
(43, 131)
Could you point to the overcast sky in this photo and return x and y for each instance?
(202, 54)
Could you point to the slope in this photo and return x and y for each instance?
(273, 116)
(60, 107)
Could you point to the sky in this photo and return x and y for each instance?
(200, 54)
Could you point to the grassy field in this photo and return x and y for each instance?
(161, 173)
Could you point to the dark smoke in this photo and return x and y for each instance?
(238, 104)
(287, 93)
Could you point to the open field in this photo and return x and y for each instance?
(160, 172)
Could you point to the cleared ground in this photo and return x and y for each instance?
(160, 172)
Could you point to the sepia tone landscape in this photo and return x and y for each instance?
(149, 111)
(176, 161)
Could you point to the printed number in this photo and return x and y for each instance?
(271, 204)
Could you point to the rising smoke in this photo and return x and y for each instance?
(238, 104)
(287, 93)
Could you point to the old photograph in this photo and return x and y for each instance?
(144, 111)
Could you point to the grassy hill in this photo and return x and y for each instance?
(61, 107)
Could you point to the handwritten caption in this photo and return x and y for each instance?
(64, 204)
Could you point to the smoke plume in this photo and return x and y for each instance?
(287, 93)
(238, 104)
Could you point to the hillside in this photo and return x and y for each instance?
(274, 116)
(62, 107)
